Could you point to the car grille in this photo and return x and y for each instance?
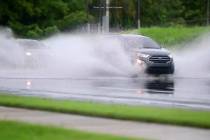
(159, 59)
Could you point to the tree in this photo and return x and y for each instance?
(32, 17)
(42, 17)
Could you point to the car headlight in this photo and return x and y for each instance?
(170, 55)
(144, 55)
(140, 63)
(28, 53)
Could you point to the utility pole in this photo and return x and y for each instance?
(87, 14)
(138, 14)
(208, 14)
(101, 11)
(104, 20)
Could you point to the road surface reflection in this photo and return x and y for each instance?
(149, 90)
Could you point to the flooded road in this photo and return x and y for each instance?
(148, 90)
(94, 68)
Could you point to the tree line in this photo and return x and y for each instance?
(37, 18)
(160, 12)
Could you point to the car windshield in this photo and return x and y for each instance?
(141, 43)
(150, 44)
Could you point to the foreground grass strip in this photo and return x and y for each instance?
(124, 112)
(22, 131)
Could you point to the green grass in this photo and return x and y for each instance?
(170, 36)
(10, 130)
(124, 112)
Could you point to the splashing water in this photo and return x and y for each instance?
(68, 55)
(194, 60)
(84, 55)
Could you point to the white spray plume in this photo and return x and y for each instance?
(88, 55)
(83, 55)
(11, 54)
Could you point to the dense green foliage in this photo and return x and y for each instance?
(160, 12)
(137, 113)
(35, 18)
(22, 131)
(170, 36)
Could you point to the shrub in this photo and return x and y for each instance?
(72, 21)
(50, 30)
(34, 31)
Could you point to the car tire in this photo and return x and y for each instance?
(171, 70)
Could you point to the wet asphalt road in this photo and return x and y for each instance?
(164, 91)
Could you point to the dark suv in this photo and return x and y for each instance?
(147, 54)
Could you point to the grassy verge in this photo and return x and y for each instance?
(124, 112)
(172, 35)
(22, 131)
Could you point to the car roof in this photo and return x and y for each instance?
(121, 36)
(134, 36)
(30, 43)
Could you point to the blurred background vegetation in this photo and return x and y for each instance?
(39, 18)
